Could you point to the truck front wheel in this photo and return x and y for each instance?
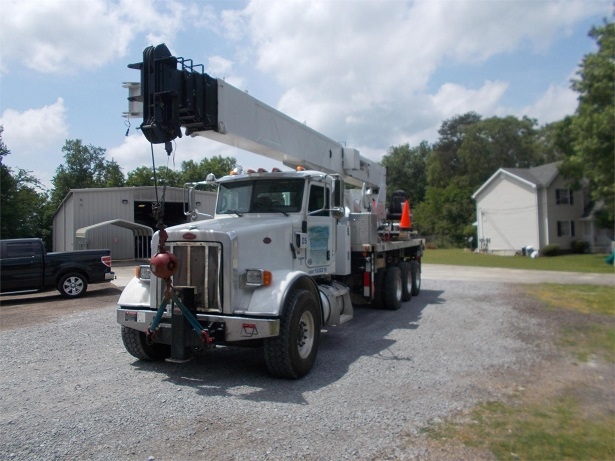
(293, 353)
(73, 285)
(136, 345)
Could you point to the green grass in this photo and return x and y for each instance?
(592, 336)
(569, 263)
(552, 430)
(585, 299)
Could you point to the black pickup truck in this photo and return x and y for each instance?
(26, 266)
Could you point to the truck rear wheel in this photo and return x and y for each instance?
(136, 345)
(293, 353)
(406, 281)
(392, 288)
(73, 285)
(415, 272)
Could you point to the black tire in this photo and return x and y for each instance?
(406, 281)
(136, 345)
(392, 291)
(415, 272)
(73, 285)
(292, 354)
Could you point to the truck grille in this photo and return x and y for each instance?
(200, 267)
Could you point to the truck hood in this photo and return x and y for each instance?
(260, 240)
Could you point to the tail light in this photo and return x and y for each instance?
(106, 260)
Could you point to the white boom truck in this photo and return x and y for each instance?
(286, 253)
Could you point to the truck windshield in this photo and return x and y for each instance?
(260, 196)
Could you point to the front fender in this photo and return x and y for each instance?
(135, 294)
(270, 300)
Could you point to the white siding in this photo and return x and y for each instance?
(507, 214)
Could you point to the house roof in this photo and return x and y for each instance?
(538, 176)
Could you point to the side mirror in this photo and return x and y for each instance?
(337, 198)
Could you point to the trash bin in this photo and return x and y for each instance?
(523, 251)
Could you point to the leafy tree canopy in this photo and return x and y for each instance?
(191, 171)
(406, 170)
(23, 202)
(590, 131)
(84, 167)
(218, 165)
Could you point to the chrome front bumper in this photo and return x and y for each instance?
(236, 328)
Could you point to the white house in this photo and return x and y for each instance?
(534, 207)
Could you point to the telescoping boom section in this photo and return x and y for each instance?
(176, 93)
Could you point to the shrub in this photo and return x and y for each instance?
(551, 250)
(579, 246)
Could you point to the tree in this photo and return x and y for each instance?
(218, 165)
(444, 162)
(553, 141)
(592, 154)
(23, 202)
(190, 172)
(495, 143)
(467, 153)
(144, 176)
(406, 170)
(84, 167)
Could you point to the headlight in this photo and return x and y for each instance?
(143, 272)
(258, 278)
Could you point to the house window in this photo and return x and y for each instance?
(564, 197)
(565, 228)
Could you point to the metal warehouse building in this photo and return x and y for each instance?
(118, 218)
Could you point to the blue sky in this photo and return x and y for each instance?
(373, 74)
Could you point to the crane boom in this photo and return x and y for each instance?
(174, 94)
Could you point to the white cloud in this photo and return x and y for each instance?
(555, 104)
(63, 36)
(452, 99)
(358, 70)
(223, 68)
(31, 134)
(28, 132)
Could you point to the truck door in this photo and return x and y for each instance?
(320, 229)
(22, 266)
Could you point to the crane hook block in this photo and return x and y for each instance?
(163, 265)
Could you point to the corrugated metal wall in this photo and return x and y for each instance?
(85, 207)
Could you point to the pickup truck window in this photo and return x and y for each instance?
(20, 250)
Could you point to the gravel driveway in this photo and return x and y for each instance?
(69, 390)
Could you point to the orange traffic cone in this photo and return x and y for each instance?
(406, 222)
